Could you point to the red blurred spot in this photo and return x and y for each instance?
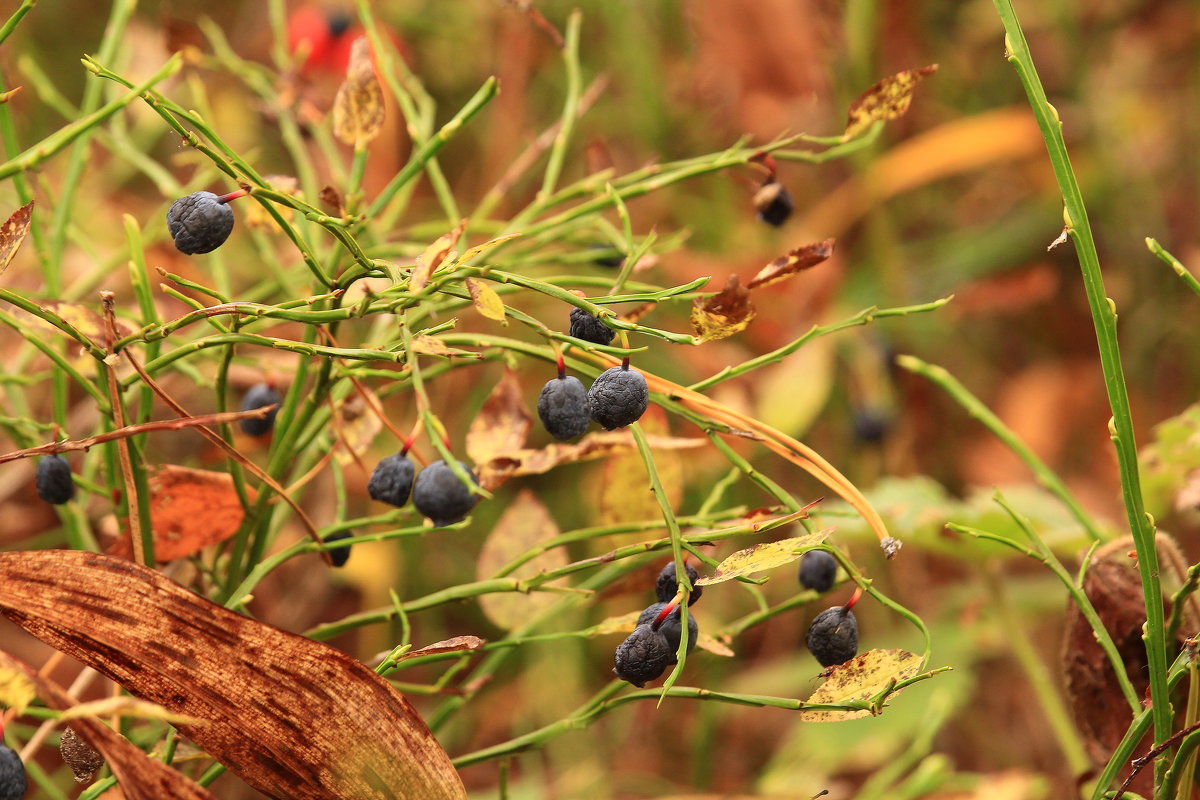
(327, 36)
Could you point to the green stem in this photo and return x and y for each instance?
(1175, 264)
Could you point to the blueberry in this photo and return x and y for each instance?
(339, 555)
(441, 496)
(199, 223)
(671, 627)
(619, 396)
(392, 480)
(563, 408)
(833, 636)
(666, 586)
(643, 656)
(54, 484)
(77, 754)
(13, 782)
(870, 425)
(774, 203)
(818, 570)
(257, 396)
(585, 326)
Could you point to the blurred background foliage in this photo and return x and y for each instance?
(955, 198)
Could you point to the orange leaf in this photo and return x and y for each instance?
(294, 718)
(887, 99)
(358, 106)
(189, 510)
(433, 256)
(485, 300)
(13, 232)
(725, 313)
(797, 260)
(523, 526)
(501, 425)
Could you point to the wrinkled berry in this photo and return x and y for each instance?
(642, 656)
(339, 555)
(199, 223)
(774, 203)
(563, 408)
(257, 396)
(671, 627)
(619, 397)
(833, 636)
(13, 781)
(53, 480)
(77, 754)
(441, 496)
(818, 570)
(666, 586)
(392, 480)
(585, 326)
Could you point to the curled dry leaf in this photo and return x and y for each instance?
(502, 424)
(357, 426)
(888, 99)
(358, 106)
(433, 256)
(794, 261)
(763, 557)
(523, 526)
(190, 509)
(13, 233)
(143, 777)
(294, 718)
(485, 300)
(725, 313)
(457, 644)
(333, 201)
(860, 679)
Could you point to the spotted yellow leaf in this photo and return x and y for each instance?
(725, 313)
(763, 557)
(13, 233)
(888, 99)
(860, 679)
(16, 690)
(485, 300)
(358, 106)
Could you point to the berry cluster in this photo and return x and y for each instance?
(437, 492)
(654, 644)
(833, 635)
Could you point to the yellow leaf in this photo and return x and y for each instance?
(524, 526)
(622, 624)
(13, 233)
(859, 679)
(887, 99)
(485, 300)
(16, 690)
(725, 313)
(797, 260)
(358, 106)
(257, 217)
(125, 706)
(625, 494)
(763, 557)
(713, 645)
(480, 249)
(433, 256)
(433, 346)
(501, 424)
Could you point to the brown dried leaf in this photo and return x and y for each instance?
(143, 777)
(358, 106)
(860, 678)
(465, 644)
(887, 99)
(190, 509)
(764, 556)
(797, 260)
(725, 313)
(13, 233)
(333, 201)
(524, 525)
(433, 346)
(486, 301)
(434, 255)
(501, 425)
(294, 718)
(358, 426)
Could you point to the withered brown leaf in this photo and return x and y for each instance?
(502, 424)
(725, 313)
(358, 106)
(888, 99)
(433, 256)
(524, 525)
(13, 233)
(794, 261)
(294, 718)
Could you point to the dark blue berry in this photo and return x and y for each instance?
(818, 570)
(774, 203)
(666, 586)
(563, 408)
(257, 396)
(339, 555)
(643, 656)
(199, 223)
(870, 425)
(833, 636)
(13, 781)
(585, 326)
(607, 256)
(619, 397)
(392, 480)
(671, 627)
(441, 496)
(54, 484)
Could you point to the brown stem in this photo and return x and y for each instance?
(108, 300)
